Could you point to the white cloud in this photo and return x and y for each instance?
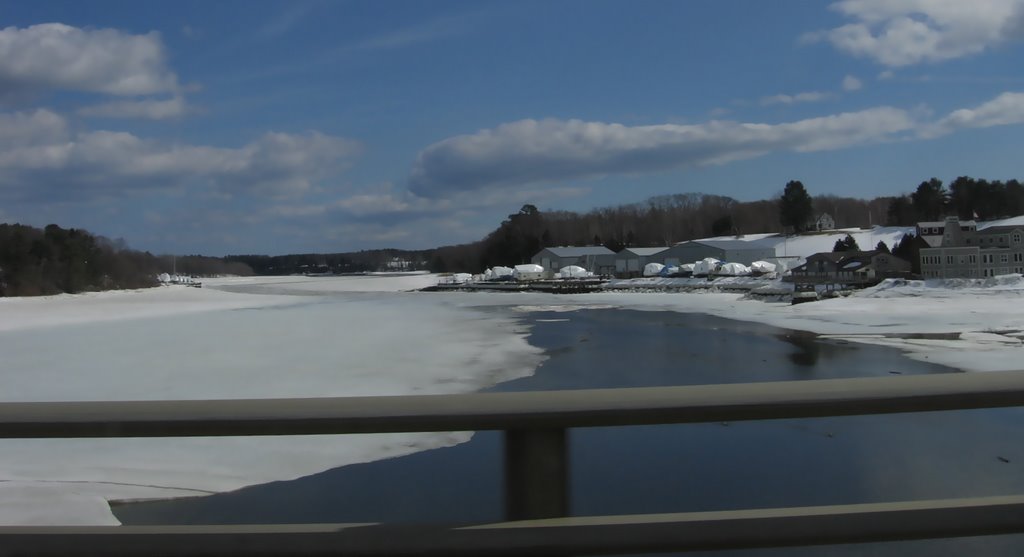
(39, 153)
(851, 83)
(552, 151)
(151, 109)
(886, 74)
(284, 22)
(1006, 109)
(805, 97)
(428, 31)
(532, 151)
(900, 33)
(27, 129)
(57, 56)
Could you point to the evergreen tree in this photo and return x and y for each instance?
(901, 212)
(846, 244)
(930, 200)
(795, 206)
(882, 247)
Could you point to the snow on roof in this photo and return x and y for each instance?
(643, 252)
(809, 244)
(573, 251)
(1012, 221)
(999, 229)
(727, 244)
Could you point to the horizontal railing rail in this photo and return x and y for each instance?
(603, 535)
(536, 468)
(513, 411)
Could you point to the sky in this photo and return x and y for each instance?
(274, 127)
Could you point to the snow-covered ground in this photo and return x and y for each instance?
(338, 336)
(810, 243)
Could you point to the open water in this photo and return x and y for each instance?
(674, 468)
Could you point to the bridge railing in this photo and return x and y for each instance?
(536, 468)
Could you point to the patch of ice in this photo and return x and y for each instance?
(184, 343)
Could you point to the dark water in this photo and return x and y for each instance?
(674, 468)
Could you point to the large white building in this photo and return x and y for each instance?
(960, 250)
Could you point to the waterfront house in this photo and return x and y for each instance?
(729, 251)
(596, 259)
(850, 268)
(951, 232)
(960, 250)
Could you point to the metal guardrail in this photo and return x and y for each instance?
(536, 465)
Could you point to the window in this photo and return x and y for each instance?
(1004, 258)
(1016, 237)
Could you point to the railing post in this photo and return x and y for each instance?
(536, 474)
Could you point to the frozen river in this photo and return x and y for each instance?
(287, 336)
(674, 468)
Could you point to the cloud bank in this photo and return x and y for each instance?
(39, 153)
(530, 151)
(58, 56)
(548, 151)
(899, 33)
(805, 97)
(150, 109)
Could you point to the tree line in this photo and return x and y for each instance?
(966, 197)
(54, 260)
(668, 219)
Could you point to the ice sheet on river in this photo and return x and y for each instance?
(360, 336)
(184, 343)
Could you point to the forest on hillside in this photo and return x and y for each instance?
(668, 219)
(54, 260)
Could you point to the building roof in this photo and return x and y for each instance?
(579, 251)
(733, 245)
(847, 260)
(942, 223)
(643, 252)
(1003, 229)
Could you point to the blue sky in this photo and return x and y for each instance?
(279, 127)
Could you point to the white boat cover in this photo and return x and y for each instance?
(653, 269)
(573, 271)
